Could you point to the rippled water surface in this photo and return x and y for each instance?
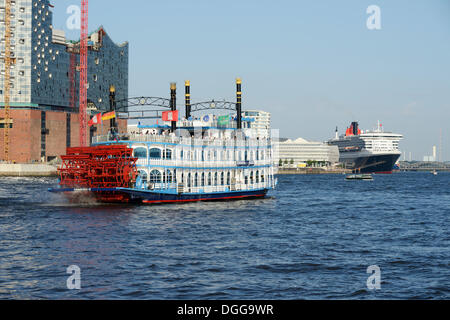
(313, 238)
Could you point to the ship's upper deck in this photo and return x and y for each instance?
(199, 141)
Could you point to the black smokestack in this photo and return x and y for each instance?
(188, 99)
(112, 106)
(173, 103)
(355, 127)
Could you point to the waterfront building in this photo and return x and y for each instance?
(432, 158)
(261, 121)
(45, 82)
(299, 152)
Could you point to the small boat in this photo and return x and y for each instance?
(359, 177)
(434, 173)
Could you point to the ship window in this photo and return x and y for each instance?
(155, 153)
(196, 180)
(143, 175)
(168, 154)
(140, 153)
(169, 176)
(155, 176)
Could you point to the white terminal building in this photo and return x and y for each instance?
(302, 151)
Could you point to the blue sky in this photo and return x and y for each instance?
(313, 64)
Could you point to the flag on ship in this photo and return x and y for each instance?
(170, 115)
(109, 116)
(223, 120)
(95, 120)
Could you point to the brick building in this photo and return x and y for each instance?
(45, 82)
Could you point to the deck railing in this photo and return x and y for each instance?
(211, 142)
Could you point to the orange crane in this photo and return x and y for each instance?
(9, 61)
(83, 73)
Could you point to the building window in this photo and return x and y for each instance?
(68, 130)
(43, 132)
(3, 124)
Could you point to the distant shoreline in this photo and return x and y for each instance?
(313, 171)
(28, 170)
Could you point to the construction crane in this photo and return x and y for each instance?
(83, 73)
(9, 61)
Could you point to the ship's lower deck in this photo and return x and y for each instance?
(379, 164)
(124, 195)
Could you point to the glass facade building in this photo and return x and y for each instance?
(42, 75)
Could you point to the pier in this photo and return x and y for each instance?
(420, 166)
(28, 170)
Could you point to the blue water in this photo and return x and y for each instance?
(312, 239)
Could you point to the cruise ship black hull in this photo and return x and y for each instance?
(373, 164)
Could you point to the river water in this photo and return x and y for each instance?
(312, 238)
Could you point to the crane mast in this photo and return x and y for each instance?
(83, 73)
(9, 61)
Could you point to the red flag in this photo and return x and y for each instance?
(95, 120)
(170, 115)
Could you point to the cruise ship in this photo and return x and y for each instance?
(373, 151)
(175, 160)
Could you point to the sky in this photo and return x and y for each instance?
(314, 65)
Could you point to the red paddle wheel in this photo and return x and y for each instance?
(100, 169)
